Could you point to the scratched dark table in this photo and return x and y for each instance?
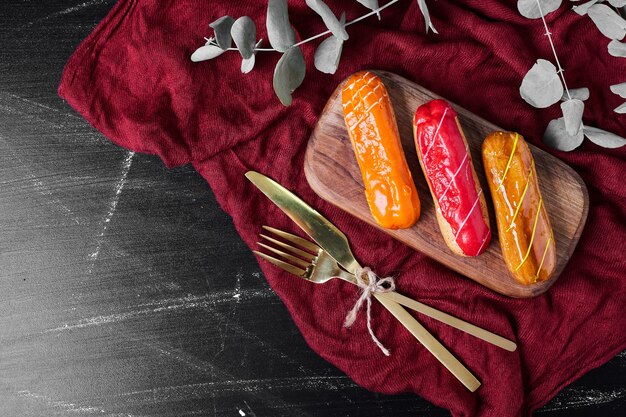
(124, 288)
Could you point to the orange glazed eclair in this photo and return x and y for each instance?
(526, 238)
(371, 123)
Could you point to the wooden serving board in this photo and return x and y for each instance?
(332, 171)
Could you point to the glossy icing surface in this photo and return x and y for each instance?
(448, 169)
(526, 238)
(371, 124)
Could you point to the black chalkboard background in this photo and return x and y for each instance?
(125, 290)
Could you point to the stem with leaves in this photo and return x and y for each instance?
(545, 85)
(290, 69)
(556, 58)
(319, 35)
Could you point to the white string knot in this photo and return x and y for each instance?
(369, 283)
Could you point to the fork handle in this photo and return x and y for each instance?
(450, 320)
(439, 351)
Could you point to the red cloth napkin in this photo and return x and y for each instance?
(133, 80)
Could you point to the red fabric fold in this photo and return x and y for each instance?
(133, 80)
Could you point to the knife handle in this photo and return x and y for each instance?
(450, 320)
(439, 351)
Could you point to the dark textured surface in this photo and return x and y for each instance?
(125, 290)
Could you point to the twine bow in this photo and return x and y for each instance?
(369, 283)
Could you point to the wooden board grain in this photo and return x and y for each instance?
(333, 173)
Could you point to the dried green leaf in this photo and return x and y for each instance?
(619, 89)
(584, 8)
(556, 136)
(617, 3)
(541, 86)
(572, 115)
(617, 48)
(608, 21)
(603, 138)
(289, 74)
(621, 109)
(328, 54)
(531, 9)
(577, 93)
(222, 28)
(243, 32)
(248, 64)
(206, 52)
(279, 30)
(330, 20)
(427, 22)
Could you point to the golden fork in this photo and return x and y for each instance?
(315, 271)
(315, 265)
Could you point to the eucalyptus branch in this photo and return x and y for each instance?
(291, 67)
(319, 35)
(556, 58)
(544, 84)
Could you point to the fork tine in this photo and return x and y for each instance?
(295, 251)
(287, 256)
(308, 245)
(282, 265)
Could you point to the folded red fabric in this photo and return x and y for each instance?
(133, 80)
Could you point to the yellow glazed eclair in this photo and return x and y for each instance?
(526, 238)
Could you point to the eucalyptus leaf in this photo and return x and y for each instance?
(572, 115)
(531, 9)
(279, 31)
(584, 8)
(577, 93)
(617, 48)
(243, 32)
(541, 86)
(621, 109)
(248, 64)
(330, 20)
(289, 74)
(370, 4)
(619, 89)
(603, 138)
(617, 3)
(222, 31)
(556, 136)
(327, 55)
(608, 21)
(427, 22)
(206, 52)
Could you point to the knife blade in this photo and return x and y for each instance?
(325, 234)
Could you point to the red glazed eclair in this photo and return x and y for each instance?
(447, 164)
(371, 123)
(524, 229)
